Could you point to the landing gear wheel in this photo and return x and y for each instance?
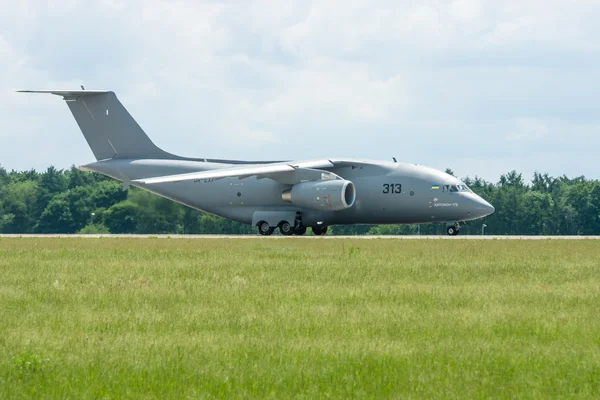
(300, 231)
(286, 228)
(265, 229)
(452, 230)
(319, 230)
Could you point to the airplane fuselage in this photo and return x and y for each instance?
(386, 192)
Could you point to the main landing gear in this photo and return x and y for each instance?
(300, 231)
(319, 230)
(265, 229)
(453, 230)
(287, 229)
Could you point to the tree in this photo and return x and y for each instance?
(210, 224)
(191, 221)
(51, 183)
(57, 217)
(350, 230)
(76, 178)
(584, 197)
(156, 214)
(58, 201)
(122, 217)
(4, 178)
(542, 183)
(104, 194)
(513, 178)
(93, 229)
(18, 202)
(6, 220)
(536, 218)
(393, 230)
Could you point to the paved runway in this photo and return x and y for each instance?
(276, 237)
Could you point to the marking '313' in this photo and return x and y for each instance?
(392, 188)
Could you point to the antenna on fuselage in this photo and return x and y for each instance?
(394, 158)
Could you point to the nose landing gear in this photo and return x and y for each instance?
(453, 230)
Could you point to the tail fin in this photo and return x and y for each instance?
(109, 129)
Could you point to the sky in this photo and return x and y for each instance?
(480, 86)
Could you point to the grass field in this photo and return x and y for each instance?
(156, 318)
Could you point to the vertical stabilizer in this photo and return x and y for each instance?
(109, 129)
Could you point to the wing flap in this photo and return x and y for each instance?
(313, 164)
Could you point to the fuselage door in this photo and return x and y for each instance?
(434, 198)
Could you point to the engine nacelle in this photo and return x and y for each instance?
(332, 195)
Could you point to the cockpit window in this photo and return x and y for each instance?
(455, 188)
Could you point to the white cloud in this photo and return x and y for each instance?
(528, 129)
(326, 87)
(258, 137)
(423, 81)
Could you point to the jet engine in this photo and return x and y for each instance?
(323, 195)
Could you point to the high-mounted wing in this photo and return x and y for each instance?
(288, 173)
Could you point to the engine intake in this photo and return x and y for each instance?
(322, 195)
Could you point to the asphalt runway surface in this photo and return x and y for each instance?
(327, 237)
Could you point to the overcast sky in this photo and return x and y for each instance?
(480, 86)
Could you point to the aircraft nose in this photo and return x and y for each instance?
(482, 207)
(476, 207)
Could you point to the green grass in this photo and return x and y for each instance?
(246, 318)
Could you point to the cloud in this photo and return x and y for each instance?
(526, 129)
(327, 87)
(424, 81)
(258, 137)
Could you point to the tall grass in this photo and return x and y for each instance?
(227, 318)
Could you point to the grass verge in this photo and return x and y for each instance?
(155, 318)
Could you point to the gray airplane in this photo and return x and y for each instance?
(289, 195)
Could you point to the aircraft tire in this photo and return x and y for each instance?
(452, 231)
(319, 230)
(286, 228)
(265, 229)
(300, 231)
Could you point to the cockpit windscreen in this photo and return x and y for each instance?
(456, 188)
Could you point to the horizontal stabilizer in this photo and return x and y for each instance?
(66, 92)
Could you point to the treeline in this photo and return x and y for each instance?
(72, 201)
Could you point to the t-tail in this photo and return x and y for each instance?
(109, 129)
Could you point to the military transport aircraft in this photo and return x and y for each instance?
(289, 195)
